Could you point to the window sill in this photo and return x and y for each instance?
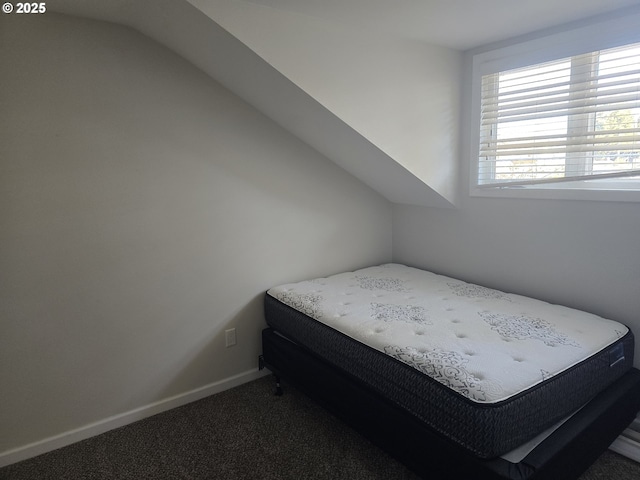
(584, 190)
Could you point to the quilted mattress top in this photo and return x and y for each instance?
(484, 344)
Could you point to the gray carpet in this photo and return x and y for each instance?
(243, 433)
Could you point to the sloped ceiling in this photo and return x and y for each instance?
(349, 77)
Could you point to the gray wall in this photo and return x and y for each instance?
(144, 209)
(581, 254)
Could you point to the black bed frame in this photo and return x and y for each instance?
(562, 456)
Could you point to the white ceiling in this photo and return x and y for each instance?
(459, 24)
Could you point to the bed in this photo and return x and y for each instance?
(454, 379)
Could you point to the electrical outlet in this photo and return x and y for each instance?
(230, 337)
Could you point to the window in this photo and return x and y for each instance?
(569, 123)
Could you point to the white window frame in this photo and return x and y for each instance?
(610, 33)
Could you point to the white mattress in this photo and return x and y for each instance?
(484, 344)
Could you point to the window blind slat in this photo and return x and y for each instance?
(594, 136)
(585, 97)
(576, 148)
(534, 86)
(583, 105)
(560, 112)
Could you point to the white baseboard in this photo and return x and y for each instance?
(627, 447)
(72, 436)
(628, 443)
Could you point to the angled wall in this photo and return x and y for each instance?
(144, 209)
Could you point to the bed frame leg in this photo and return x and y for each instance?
(278, 386)
(261, 366)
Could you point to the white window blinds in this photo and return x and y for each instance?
(565, 120)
